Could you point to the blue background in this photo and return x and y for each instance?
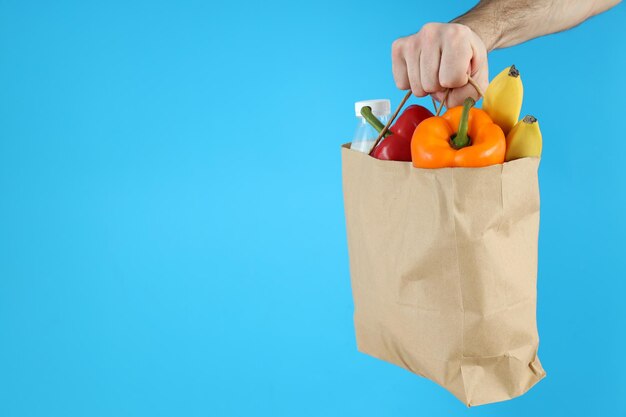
(172, 238)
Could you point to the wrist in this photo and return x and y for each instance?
(488, 34)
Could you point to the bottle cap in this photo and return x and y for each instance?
(380, 107)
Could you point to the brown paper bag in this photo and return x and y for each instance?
(443, 267)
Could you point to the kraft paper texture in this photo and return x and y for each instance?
(443, 266)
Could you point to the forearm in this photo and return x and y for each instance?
(503, 23)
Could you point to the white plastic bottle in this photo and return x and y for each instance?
(366, 135)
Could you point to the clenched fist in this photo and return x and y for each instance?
(438, 57)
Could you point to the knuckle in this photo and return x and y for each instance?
(458, 33)
(430, 85)
(402, 84)
(460, 29)
(417, 89)
(452, 80)
(396, 48)
(412, 42)
(429, 89)
(431, 27)
(429, 32)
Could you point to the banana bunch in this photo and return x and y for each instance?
(503, 103)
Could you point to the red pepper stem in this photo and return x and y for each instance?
(367, 114)
(461, 139)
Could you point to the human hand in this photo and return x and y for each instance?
(438, 57)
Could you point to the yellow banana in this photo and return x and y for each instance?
(524, 139)
(503, 98)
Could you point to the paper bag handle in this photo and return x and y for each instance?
(470, 80)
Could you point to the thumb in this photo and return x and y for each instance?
(480, 77)
(479, 68)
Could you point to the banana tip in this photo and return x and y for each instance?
(513, 72)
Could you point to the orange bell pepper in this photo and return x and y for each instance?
(462, 137)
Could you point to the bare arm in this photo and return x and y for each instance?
(442, 55)
(504, 23)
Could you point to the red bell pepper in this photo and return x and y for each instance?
(396, 146)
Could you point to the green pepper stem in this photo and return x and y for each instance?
(461, 139)
(367, 114)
